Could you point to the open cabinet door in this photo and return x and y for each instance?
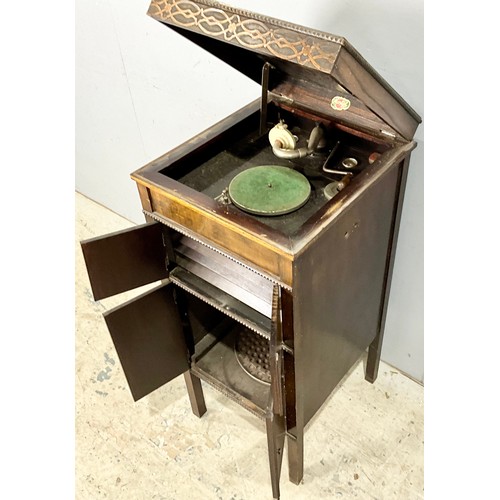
(275, 420)
(149, 339)
(126, 259)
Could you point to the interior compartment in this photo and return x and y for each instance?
(216, 362)
(219, 357)
(221, 282)
(219, 300)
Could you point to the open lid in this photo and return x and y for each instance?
(309, 63)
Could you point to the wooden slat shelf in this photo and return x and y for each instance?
(221, 301)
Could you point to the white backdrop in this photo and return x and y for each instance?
(142, 90)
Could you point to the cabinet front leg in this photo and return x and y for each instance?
(295, 443)
(372, 362)
(195, 392)
(275, 426)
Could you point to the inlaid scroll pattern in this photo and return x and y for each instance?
(247, 32)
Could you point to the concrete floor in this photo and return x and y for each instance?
(365, 443)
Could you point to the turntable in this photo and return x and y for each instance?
(273, 232)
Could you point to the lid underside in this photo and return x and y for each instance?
(306, 57)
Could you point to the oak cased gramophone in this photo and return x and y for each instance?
(273, 233)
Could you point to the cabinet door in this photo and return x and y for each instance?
(149, 339)
(124, 260)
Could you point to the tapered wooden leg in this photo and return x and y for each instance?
(275, 427)
(195, 392)
(295, 443)
(372, 362)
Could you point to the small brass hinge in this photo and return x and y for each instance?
(392, 135)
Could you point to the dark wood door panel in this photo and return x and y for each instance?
(124, 260)
(149, 339)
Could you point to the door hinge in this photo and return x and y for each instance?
(391, 135)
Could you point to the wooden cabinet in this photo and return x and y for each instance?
(273, 311)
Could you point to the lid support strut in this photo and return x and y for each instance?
(263, 103)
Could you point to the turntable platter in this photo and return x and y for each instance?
(269, 190)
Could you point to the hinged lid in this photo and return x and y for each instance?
(309, 62)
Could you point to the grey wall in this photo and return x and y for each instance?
(142, 90)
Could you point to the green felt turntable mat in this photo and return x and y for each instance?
(269, 190)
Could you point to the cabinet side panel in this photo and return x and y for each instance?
(338, 292)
